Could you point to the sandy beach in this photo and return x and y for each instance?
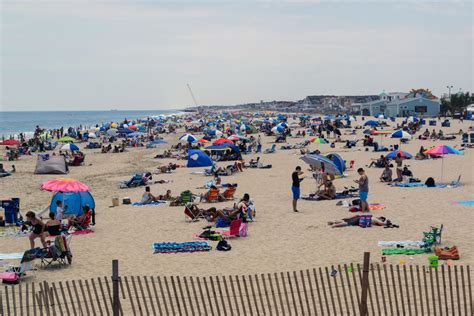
(278, 240)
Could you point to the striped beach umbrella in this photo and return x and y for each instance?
(442, 150)
(188, 138)
(400, 134)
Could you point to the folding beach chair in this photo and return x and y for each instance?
(229, 193)
(186, 197)
(212, 196)
(59, 252)
(190, 214)
(84, 223)
(271, 150)
(14, 273)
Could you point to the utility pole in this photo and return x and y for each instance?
(449, 91)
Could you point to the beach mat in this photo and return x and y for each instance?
(376, 206)
(465, 202)
(11, 256)
(405, 251)
(175, 247)
(421, 185)
(156, 203)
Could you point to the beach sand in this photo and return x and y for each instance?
(279, 239)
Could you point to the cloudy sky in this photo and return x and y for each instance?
(77, 55)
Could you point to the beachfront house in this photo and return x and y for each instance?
(418, 106)
(373, 108)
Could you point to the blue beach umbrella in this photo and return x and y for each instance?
(188, 138)
(198, 158)
(371, 123)
(400, 134)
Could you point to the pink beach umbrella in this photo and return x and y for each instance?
(442, 150)
(64, 185)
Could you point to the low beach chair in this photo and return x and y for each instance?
(84, 223)
(193, 216)
(211, 196)
(59, 252)
(271, 150)
(186, 197)
(229, 193)
(14, 274)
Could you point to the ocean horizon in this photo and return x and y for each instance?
(14, 122)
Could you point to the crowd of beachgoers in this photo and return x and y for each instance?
(238, 188)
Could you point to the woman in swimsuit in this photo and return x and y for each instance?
(38, 229)
(53, 226)
(399, 162)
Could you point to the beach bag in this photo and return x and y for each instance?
(9, 277)
(223, 245)
(356, 202)
(430, 182)
(354, 209)
(243, 231)
(365, 221)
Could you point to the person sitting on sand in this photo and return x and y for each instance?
(379, 163)
(421, 154)
(166, 197)
(38, 229)
(386, 174)
(53, 226)
(147, 197)
(329, 192)
(354, 221)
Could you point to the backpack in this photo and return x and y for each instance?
(223, 245)
(430, 182)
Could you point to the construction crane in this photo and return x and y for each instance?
(192, 95)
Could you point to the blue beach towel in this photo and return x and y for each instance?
(420, 185)
(156, 203)
(465, 202)
(174, 247)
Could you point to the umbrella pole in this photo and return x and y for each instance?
(442, 168)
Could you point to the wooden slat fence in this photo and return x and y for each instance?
(334, 290)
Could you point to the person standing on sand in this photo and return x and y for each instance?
(363, 190)
(297, 177)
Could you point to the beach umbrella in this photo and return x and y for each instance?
(66, 139)
(10, 142)
(243, 128)
(214, 132)
(235, 137)
(112, 132)
(284, 124)
(403, 154)
(136, 134)
(203, 141)
(64, 185)
(188, 138)
(319, 140)
(380, 116)
(158, 142)
(400, 134)
(45, 136)
(70, 147)
(321, 162)
(442, 150)
(221, 141)
(278, 129)
(371, 123)
(92, 135)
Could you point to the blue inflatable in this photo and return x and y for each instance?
(197, 158)
(74, 201)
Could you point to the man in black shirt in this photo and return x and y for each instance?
(296, 177)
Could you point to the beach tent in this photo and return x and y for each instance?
(73, 201)
(51, 165)
(338, 161)
(198, 158)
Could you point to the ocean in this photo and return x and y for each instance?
(15, 122)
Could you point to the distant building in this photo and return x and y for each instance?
(373, 108)
(418, 106)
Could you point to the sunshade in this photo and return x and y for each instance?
(203, 141)
(10, 142)
(221, 141)
(188, 138)
(442, 150)
(112, 132)
(400, 134)
(371, 123)
(66, 139)
(403, 154)
(321, 162)
(319, 140)
(64, 185)
(70, 147)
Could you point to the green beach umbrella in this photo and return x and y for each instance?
(66, 139)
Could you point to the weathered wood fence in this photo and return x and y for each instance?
(334, 290)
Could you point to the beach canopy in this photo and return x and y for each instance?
(278, 129)
(70, 147)
(322, 163)
(158, 142)
(10, 142)
(400, 134)
(92, 135)
(198, 158)
(214, 132)
(73, 202)
(66, 139)
(371, 123)
(112, 132)
(46, 164)
(188, 138)
(338, 161)
(403, 154)
(64, 185)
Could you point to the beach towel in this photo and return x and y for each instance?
(421, 185)
(405, 251)
(465, 202)
(13, 232)
(376, 206)
(405, 243)
(82, 232)
(314, 197)
(11, 256)
(174, 247)
(156, 203)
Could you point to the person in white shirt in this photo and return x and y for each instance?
(59, 210)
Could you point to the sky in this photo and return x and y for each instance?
(94, 55)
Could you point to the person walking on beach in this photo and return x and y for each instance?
(363, 190)
(297, 177)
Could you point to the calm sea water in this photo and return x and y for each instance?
(16, 122)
